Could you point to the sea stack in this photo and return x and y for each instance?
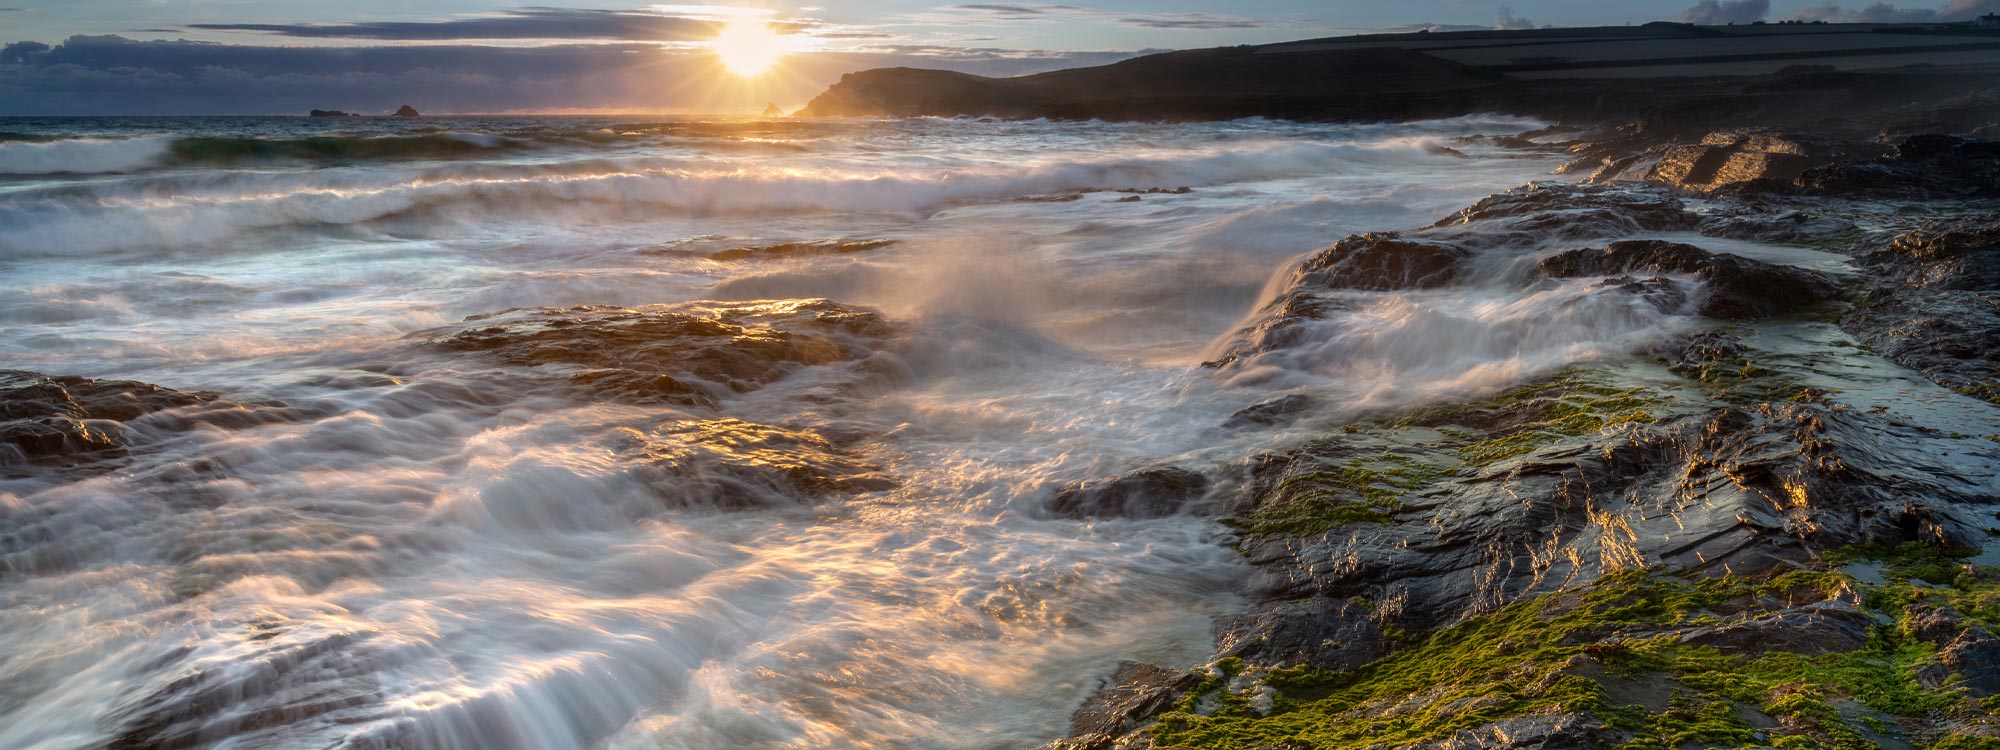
(771, 110)
(408, 111)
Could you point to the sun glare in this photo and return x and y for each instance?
(748, 47)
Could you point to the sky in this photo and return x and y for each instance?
(83, 57)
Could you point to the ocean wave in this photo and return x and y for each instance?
(207, 208)
(81, 155)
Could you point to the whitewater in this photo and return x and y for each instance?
(436, 549)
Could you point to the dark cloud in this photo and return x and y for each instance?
(1507, 21)
(1956, 10)
(529, 23)
(1717, 13)
(116, 75)
(1020, 9)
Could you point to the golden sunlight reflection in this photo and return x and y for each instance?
(748, 47)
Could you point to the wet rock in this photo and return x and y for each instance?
(1730, 157)
(688, 355)
(1382, 261)
(286, 679)
(1924, 167)
(1701, 355)
(1323, 632)
(799, 249)
(1136, 692)
(1834, 626)
(1147, 493)
(1795, 227)
(1564, 731)
(64, 420)
(1657, 291)
(1274, 412)
(732, 464)
(1557, 210)
(1936, 306)
(1745, 490)
(1734, 286)
(1972, 661)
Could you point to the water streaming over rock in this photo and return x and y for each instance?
(568, 432)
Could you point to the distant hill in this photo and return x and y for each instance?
(1583, 72)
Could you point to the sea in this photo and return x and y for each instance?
(437, 549)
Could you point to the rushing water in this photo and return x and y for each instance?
(446, 556)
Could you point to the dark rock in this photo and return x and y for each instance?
(1702, 354)
(1324, 632)
(407, 111)
(1834, 626)
(1657, 291)
(1135, 695)
(1972, 660)
(731, 464)
(1565, 731)
(64, 420)
(1796, 227)
(1924, 167)
(1147, 493)
(682, 354)
(1936, 305)
(1746, 490)
(1382, 261)
(1560, 210)
(330, 113)
(797, 249)
(771, 110)
(1734, 286)
(1276, 411)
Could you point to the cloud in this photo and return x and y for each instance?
(116, 75)
(1717, 13)
(1507, 21)
(1038, 12)
(1956, 10)
(527, 23)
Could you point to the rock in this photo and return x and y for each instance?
(1730, 157)
(1972, 660)
(1835, 626)
(1334, 633)
(1560, 210)
(1936, 305)
(65, 420)
(1701, 355)
(329, 113)
(689, 355)
(1924, 167)
(797, 249)
(407, 111)
(1746, 490)
(1146, 493)
(1382, 261)
(1276, 411)
(1563, 731)
(1135, 693)
(771, 110)
(731, 464)
(1796, 227)
(1734, 286)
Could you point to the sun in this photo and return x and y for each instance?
(748, 47)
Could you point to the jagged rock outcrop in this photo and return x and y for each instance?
(1937, 306)
(407, 111)
(690, 355)
(1566, 211)
(1730, 157)
(1923, 167)
(1734, 287)
(1146, 493)
(66, 420)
